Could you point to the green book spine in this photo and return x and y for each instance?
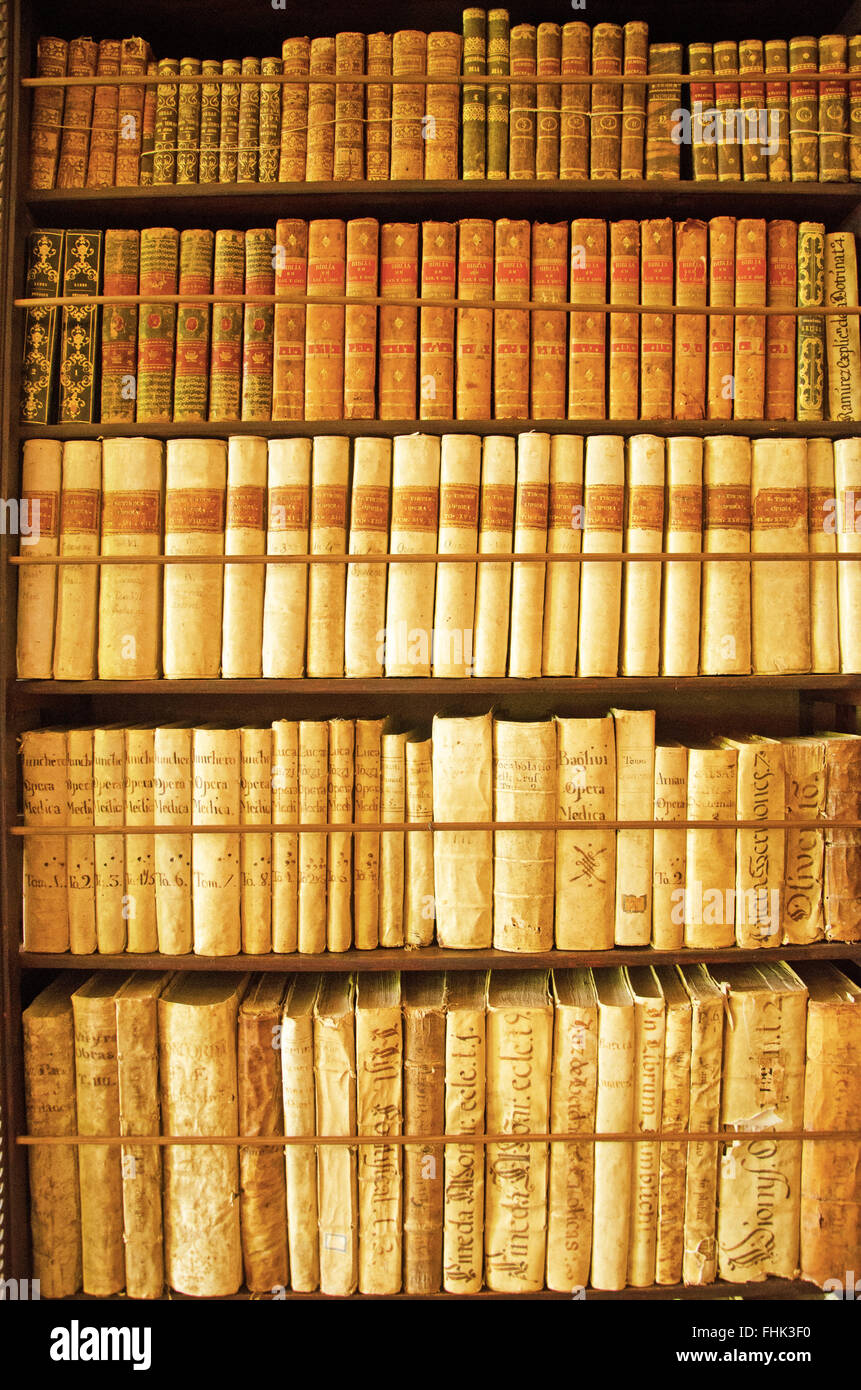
(855, 108)
(191, 376)
(39, 363)
(474, 111)
(259, 322)
(810, 380)
(249, 123)
(497, 97)
(82, 264)
(225, 367)
(150, 105)
(188, 123)
(166, 112)
(120, 326)
(210, 122)
(833, 111)
(156, 328)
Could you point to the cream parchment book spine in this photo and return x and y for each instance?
(519, 1047)
(462, 770)
(313, 849)
(683, 533)
(286, 588)
(524, 788)
(197, 1020)
(424, 1004)
(644, 531)
(675, 1110)
(614, 1113)
(454, 604)
(139, 885)
(410, 591)
(725, 640)
(760, 854)
(215, 894)
(262, 1187)
(842, 345)
(366, 849)
(80, 849)
(847, 483)
(339, 899)
(805, 798)
(564, 534)
(41, 470)
(255, 850)
(601, 581)
(635, 782)
(419, 905)
(285, 848)
(779, 589)
(44, 775)
(370, 506)
(465, 1067)
(699, 1264)
(244, 534)
(109, 810)
(649, 1039)
(337, 1175)
(585, 854)
(330, 471)
(379, 1085)
(573, 1095)
(709, 907)
(669, 849)
(196, 481)
(130, 596)
(495, 536)
(297, 1073)
(172, 796)
(393, 809)
(530, 537)
(78, 585)
(822, 540)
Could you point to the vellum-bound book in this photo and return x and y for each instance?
(80, 849)
(465, 1052)
(614, 1113)
(262, 1191)
(709, 906)
(847, 480)
(573, 1094)
(215, 893)
(635, 780)
(842, 844)
(675, 1109)
(424, 1001)
(285, 848)
(822, 540)
(194, 525)
(530, 536)
(49, 1086)
(725, 643)
(109, 810)
(780, 589)
(564, 531)
(760, 853)
(454, 605)
(410, 596)
(313, 849)
(339, 899)
(255, 850)
(669, 847)
(98, 1108)
(335, 1089)
(286, 590)
(805, 791)
(198, 1073)
(139, 906)
(45, 797)
(830, 1195)
(683, 522)
(649, 1037)
(524, 788)
(601, 581)
(37, 585)
(78, 586)
(585, 857)
(297, 1073)
(699, 1263)
(365, 604)
(136, 1005)
(644, 531)
(763, 1090)
(495, 535)
(379, 1085)
(842, 346)
(130, 595)
(393, 809)
(519, 1046)
(330, 469)
(463, 859)
(366, 845)
(172, 794)
(419, 905)
(244, 534)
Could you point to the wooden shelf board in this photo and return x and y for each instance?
(436, 958)
(781, 1289)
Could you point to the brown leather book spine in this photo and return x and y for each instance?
(399, 271)
(296, 59)
(225, 364)
(689, 378)
(120, 326)
(321, 113)
(587, 365)
(721, 295)
(77, 116)
(548, 65)
(751, 64)
(777, 105)
(854, 63)
(291, 274)
(833, 110)
(635, 64)
(702, 97)
(511, 326)
(360, 320)
(781, 289)
(349, 158)
(409, 58)
(624, 328)
(102, 163)
(521, 130)
(442, 118)
(146, 162)
(662, 104)
(750, 291)
(378, 108)
(606, 135)
(191, 373)
(656, 330)
(803, 110)
(474, 358)
(324, 326)
(46, 120)
(548, 347)
(269, 151)
(210, 123)
(258, 327)
(726, 102)
(575, 102)
(436, 324)
(188, 139)
(249, 123)
(134, 56)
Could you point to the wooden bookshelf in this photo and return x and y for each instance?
(697, 704)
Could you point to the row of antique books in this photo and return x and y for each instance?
(527, 882)
(741, 118)
(447, 1058)
(337, 348)
(325, 507)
